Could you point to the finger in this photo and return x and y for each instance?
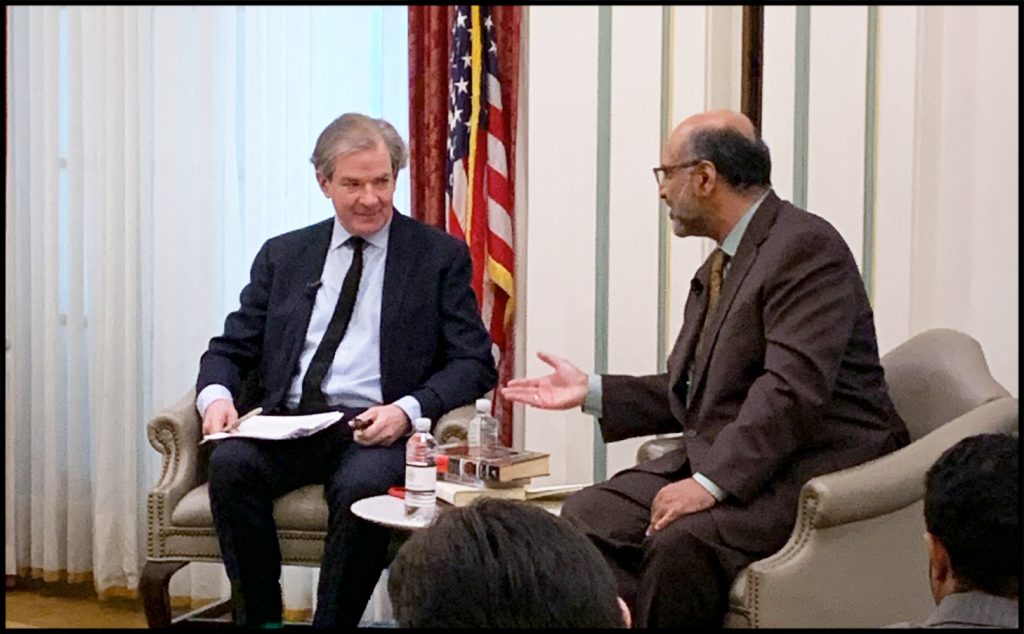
(553, 360)
(519, 392)
(666, 519)
(528, 396)
(231, 420)
(358, 437)
(371, 431)
(215, 422)
(655, 518)
(524, 382)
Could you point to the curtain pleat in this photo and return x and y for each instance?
(429, 47)
(150, 153)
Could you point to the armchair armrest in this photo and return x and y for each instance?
(175, 432)
(454, 425)
(657, 447)
(895, 480)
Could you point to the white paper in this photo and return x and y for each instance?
(279, 427)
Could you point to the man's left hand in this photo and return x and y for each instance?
(388, 423)
(676, 500)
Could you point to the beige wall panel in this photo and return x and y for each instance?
(724, 47)
(894, 201)
(689, 96)
(965, 246)
(633, 202)
(835, 153)
(777, 94)
(994, 204)
(561, 216)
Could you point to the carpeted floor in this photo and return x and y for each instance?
(32, 609)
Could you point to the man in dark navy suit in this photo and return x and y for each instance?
(370, 313)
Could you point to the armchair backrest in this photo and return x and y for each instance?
(937, 376)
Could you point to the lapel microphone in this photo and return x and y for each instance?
(313, 287)
(696, 287)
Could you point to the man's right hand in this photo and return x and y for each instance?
(566, 387)
(220, 415)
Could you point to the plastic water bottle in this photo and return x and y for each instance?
(483, 428)
(421, 471)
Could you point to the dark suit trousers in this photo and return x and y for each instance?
(245, 478)
(677, 577)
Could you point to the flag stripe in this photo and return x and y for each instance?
(478, 195)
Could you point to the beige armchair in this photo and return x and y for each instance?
(180, 525)
(856, 556)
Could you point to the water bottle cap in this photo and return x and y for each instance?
(421, 424)
(483, 405)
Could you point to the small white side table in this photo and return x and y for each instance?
(389, 511)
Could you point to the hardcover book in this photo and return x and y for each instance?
(462, 494)
(480, 466)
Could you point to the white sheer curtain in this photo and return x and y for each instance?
(150, 152)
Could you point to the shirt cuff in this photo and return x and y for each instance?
(712, 488)
(411, 407)
(211, 393)
(592, 401)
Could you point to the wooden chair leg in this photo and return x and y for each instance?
(156, 576)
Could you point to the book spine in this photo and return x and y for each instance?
(477, 471)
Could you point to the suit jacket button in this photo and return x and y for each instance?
(689, 433)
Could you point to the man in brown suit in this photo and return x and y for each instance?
(781, 384)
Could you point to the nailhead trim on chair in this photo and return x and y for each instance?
(209, 533)
(807, 508)
(155, 506)
(165, 441)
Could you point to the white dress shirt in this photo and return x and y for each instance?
(353, 380)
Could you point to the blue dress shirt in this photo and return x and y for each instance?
(592, 401)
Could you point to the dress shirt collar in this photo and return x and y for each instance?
(378, 239)
(732, 241)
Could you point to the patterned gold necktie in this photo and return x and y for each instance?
(718, 260)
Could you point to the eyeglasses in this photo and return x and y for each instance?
(663, 172)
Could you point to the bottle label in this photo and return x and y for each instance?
(420, 478)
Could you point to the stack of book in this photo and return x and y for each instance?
(468, 472)
(491, 466)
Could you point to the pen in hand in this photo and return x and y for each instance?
(359, 423)
(255, 412)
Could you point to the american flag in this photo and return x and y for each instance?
(478, 195)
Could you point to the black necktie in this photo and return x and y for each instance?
(312, 396)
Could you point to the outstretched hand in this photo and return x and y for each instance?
(566, 387)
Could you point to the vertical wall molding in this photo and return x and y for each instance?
(604, 92)
(870, 153)
(663, 237)
(801, 104)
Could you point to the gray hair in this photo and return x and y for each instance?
(352, 132)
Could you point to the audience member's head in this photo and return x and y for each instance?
(502, 563)
(972, 516)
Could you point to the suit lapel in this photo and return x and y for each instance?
(398, 268)
(746, 255)
(682, 351)
(309, 267)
